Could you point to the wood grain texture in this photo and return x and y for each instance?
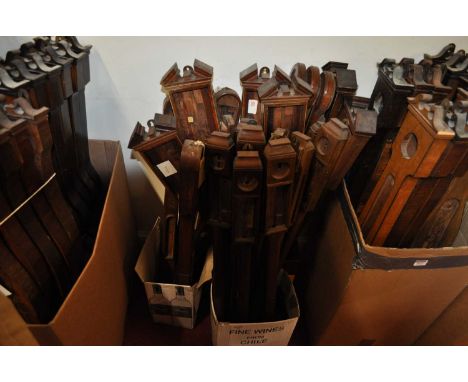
(329, 140)
(246, 208)
(191, 162)
(305, 150)
(346, 86)
(191, 97)
(280, 159)
(219, 159)
(158, 148)
(416, 151)
(228, 103)
(251, 79)
(35, 224)
(284, 102)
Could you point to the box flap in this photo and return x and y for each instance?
(206, 272)
(146, 263)
(157, 185)
(373, 257)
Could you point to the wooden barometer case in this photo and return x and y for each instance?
(191, 97)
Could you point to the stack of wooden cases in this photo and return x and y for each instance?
(173, 148)
(407, 191)
(51, 196)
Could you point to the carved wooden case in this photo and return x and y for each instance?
(162, 151)
(305, 151)
(324, 98)
(280, 160)
(191, 97)
(247, 190)
(251, 79)
(388, 98)
(418, 224)
(329, 138)
(50, 55)
(311, 76)
(16, 75)
(191, 177)
(389, 101)
(444, 54)
(362, 125)
(250, 136)
(80, 69)
(35, 63)
(455, 69)
(284, 103)
(220, 151)
(346, 86)
(247, 184)
(416, 151)
(228, 103)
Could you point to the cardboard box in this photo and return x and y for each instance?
(94, 311)
(261, 333)
(451, 327)
(170, 304)
(362, 294)
(13, 329)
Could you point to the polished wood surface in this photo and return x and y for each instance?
(220, 151)
(191, 169)
(346, 86)
(191, 97)
(329, 140)
(228, 103)
(251, 79)
(47, 234)
(416, 151)
(305, 150)
(283, 102)
(280, 159)
(250, 136)
(246, 214)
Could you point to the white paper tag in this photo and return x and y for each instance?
(190, 119)
(5, 291)
(420, 263)
(252, 108)
(167, 168)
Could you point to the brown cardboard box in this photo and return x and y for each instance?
(94, 311)
(273, 333)
(451, 327)
(13, 329)
(170, 304)
(361, 294)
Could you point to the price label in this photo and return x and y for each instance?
(5, 291)
(252, 107)
(167, 168)
(420, 263)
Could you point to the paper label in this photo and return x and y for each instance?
(5, 291)
(190, 119)
(420, 263)
(252, 107)
(167, 168)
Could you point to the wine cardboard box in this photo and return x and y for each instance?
(261, 333)
(170, 304)
(363, 294)
(94, 311)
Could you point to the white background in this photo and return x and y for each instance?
(125, 75)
